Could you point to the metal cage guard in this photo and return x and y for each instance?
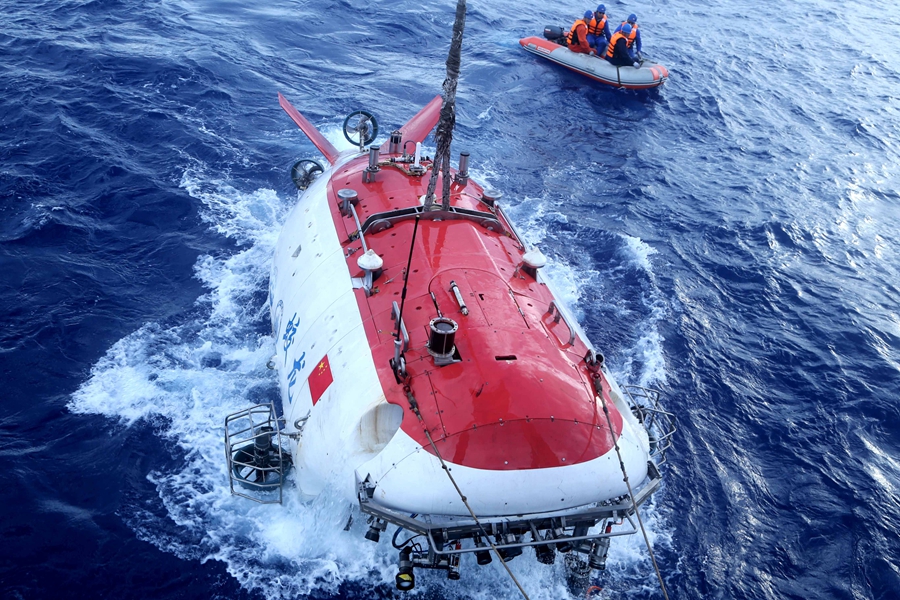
(243, 431)
(660, 424)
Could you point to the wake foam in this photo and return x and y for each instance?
(649, 345)
(644, 363)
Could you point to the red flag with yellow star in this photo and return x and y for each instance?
(320, 379)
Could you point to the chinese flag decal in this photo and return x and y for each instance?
(320, 379)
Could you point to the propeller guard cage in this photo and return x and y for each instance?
(253, 448)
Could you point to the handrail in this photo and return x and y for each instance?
(485, 219)
(559, 315)
(512, 226)
(359, 230)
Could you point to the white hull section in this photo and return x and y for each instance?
(314, 314)
(410, 479)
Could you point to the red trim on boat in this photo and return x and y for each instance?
(544, 47)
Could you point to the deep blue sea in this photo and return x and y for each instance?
(731, 238)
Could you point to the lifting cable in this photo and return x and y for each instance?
(415, 407)
(631, 494)
(444, 134)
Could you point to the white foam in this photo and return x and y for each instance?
(335, 135)
(534, 218)
(629, 566)
(649, 345)
(187, 377)
(641, 251)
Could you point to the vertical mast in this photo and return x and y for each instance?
(445, 126)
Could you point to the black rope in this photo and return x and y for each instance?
(412, 245)
(444, 134)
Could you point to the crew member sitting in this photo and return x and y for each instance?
(617, 50)
(598, 30)
(634, 38)
(577, 38)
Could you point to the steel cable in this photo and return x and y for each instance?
(415, 407)
(631, 495)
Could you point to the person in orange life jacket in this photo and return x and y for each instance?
(617, 51)
(634, 38)
(577, 38)
(598, 30)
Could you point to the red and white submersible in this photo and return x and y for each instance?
(428, 370)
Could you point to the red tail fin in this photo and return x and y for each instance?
(324, 146)
(418, 128)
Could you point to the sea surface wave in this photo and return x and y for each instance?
(731, 238)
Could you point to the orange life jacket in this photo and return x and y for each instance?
(631, 35)
(572, 38)
(595, 27)
(612, 43)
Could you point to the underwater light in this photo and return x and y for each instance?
(405, 579)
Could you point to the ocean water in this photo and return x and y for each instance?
(731, 238)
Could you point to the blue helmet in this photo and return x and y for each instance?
(626, 29)
(601, 9)
(632, 18)
(588, 14)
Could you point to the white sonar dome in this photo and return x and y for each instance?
(534, 258)
(370, 261)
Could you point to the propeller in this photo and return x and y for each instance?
(304, 172)
(360, 128)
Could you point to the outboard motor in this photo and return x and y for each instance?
(555, 34)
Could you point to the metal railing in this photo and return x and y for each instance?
(659, 423)
(441, 531)
(554, 308)
(382, 220)
(359, 229)
(395, 314)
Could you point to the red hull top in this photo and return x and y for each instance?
(521, 396)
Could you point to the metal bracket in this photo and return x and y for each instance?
(554, 308)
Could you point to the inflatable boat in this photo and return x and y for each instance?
(648, 75)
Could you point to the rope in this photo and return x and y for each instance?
(444, 136)
(412, 246)
(631, 494)
(444, 133)
(415, 406)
